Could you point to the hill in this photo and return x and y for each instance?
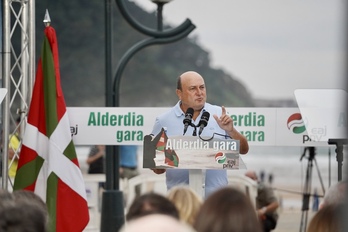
(149, 79)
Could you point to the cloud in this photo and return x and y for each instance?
(272, 46)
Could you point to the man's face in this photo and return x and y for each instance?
(193, 92)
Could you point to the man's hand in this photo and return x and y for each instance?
(225, 122)
(158, 170)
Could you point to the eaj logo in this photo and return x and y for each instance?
(220, 158)
(296, 124)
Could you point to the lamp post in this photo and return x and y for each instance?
(160, 4)
(112, 214)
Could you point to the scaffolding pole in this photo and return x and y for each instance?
(18, 62)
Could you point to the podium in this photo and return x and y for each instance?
(193, 153)
(197, 181)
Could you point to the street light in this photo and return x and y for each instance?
(112, 215)
(160, 4)
(161, 1)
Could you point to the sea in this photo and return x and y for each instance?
(295, 166)
(296, 170)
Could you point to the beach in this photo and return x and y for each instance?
(292, 171)
(290, 221)
(290, 175)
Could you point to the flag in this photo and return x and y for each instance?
(48, 163)
(162, 141)
(171, 158)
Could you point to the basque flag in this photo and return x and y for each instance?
(48, 163)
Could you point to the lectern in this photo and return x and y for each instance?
(191, 152)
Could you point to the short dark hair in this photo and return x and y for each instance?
(23, 216)
(5, 198)
(151, 203)
(178, 83)
(30, 196)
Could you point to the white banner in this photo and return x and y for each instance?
(123, 125)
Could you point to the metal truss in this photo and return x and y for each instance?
(18, 72)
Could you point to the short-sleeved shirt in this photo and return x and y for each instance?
(98, 165)
(172, 120)
(265, 196)
(128, 156)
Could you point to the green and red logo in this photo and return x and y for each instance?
(220, 157)
(296, 124)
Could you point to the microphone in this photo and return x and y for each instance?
(187, 119)
(203, 122)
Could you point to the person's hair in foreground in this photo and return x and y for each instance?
(30, 196)
(328, 219)
(186, 201)
(227, 209)
(156, 223)
(22, 216)
(25, 195)
(5, 198)
(151, 203)
(336, 194)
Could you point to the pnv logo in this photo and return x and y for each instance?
(220, 157)
(296, 124)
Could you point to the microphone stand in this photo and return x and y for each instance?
(339, 154)
(194, 133)
(197, 176)
(196, 180)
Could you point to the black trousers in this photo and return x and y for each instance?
(268, 224)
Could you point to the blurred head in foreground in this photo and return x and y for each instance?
(328, 219)
(336, 194)
(151, 203)
(227, 209)
(156, 223)
(186, 201)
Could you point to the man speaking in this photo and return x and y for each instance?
(191, 91)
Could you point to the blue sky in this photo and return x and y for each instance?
(272, 46)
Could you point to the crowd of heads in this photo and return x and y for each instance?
(227, 209)
(180, 210)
